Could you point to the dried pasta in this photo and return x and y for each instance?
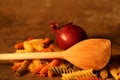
(81, 74)
(22, 69)
(115, 71)
(55, 67)
(35, 63)
(16, 66)
(19, 45)
(46, 40)
(91, 78)
(27, 46)
(60, 70)
(104, 73)
(37, 44)
(44, 70)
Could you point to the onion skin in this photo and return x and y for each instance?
(68, 35)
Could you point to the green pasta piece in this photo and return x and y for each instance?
(54, 70)
(60, 70)
(23, 68)
(71, 70)
(64, 70)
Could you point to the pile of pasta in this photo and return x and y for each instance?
(54, 67)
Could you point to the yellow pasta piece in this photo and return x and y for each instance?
(27, 46)
(33, 64)
(115, 72)
(37, 62)
(104, 73)
(39, 47)
(37, 44)
(31, 67)
(80, 74)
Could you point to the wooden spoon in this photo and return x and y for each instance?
(87, 54)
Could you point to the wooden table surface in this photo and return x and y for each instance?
(20, 19)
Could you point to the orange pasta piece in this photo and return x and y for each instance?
(47, 50)
(55, 62)
(52, 46)
(19, 45)
(46, 40)
(44, 70)
(50, 74)
(16, 66)
(37, 69)
(29, 38)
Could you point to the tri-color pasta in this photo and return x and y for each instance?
(39, 66)
(60, 70)
(55, 67)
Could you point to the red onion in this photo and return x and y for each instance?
(68, 35)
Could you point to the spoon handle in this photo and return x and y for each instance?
(21, 56)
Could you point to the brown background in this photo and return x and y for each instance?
(20, 19)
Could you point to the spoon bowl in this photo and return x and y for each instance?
(90, 53)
